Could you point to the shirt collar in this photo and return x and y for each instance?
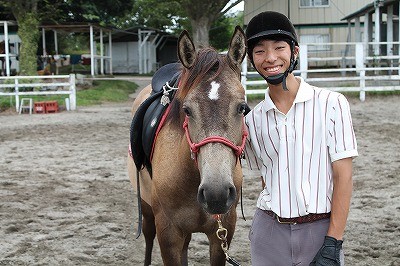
(304, 94)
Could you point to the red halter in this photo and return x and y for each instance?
(195, 147)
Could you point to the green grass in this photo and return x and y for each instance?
(105, 91)
(102, 91)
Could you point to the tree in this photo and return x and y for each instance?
(223, 28)
(202, 14)
(174, 14)
(103, 12)
(26, 14)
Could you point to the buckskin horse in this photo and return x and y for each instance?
(192, 180)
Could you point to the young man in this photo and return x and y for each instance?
(302, 141)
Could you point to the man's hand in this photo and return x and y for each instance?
(329, 253)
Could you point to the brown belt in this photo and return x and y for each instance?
(312, 217)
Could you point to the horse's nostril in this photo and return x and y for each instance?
(216, 200)
(232, 192)
(201, 197)
(231, 196)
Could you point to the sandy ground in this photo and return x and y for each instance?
(65, 198)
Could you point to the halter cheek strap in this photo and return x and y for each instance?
(195, 147)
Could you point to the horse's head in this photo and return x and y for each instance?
(213, 102)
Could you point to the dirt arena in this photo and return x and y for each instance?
(65, 198)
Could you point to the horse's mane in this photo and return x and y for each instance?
(208, 64)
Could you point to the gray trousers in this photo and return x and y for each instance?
(275, 244)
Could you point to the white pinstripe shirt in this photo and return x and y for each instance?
(294, 152)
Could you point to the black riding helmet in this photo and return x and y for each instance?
(273, 26)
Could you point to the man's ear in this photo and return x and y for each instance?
(296, 52)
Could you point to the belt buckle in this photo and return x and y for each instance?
(281, 222)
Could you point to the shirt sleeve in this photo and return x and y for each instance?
(252, 149)
(343, 142)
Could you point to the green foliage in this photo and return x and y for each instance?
(158, 14)
(27, 31)
(222, 30)
(104, 12)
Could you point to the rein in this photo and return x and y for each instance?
(195, 147)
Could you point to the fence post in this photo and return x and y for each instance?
(72, 95)
(16, 95)
(360, 68)
(362, 85)
(303, 60)
(244, 76)
(360, 58)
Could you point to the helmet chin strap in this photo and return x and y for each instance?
(277, 79)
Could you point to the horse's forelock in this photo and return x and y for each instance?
(208, 65)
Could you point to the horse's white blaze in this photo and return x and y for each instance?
(213, 94)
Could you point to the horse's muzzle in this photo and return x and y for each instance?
(216, 200)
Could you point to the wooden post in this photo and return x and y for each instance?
(303, 60)
(72, 95)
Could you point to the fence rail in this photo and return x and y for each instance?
(55, 81)
(366, 71)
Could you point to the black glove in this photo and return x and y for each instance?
(329, 253)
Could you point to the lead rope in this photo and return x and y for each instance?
(221, 233)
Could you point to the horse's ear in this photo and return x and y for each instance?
(237, 47)
(186, 50)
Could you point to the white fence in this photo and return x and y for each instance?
(342, 67)
(50, 83)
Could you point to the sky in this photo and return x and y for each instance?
(238, 7)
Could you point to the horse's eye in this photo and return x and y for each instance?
(242, 108)
(186, 110)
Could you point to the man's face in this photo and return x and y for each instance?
(272, 57)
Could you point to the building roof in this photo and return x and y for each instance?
(371, 7)
(132, 34)
(74, 27)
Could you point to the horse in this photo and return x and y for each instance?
(195, 179)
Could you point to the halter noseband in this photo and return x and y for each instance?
(195, 147)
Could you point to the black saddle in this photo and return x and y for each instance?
(147, 117)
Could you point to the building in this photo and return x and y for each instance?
(142, 50)
(138, 50)
(8, 34)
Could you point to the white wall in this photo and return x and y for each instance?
(125, 57)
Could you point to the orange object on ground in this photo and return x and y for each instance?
(39, 107)
(51, 107)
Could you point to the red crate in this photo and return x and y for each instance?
(51, 107)
(40, 107)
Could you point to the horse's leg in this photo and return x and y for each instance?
(170, 238)
(149, 231)
(185, 250)
(171, 244)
